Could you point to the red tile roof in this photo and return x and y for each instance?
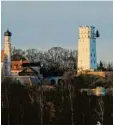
(2, 55)
(15, 65)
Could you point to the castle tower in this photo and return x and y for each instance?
(7, 53)
(87, 59)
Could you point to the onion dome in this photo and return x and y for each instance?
(7, 33)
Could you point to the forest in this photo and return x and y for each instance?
(56, 105)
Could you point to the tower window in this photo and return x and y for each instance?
(91, 54)
(94, 55)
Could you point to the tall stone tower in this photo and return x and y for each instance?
(87, 59)
(7, 53)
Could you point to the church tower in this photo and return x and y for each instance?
(87, 59)
(7, 53)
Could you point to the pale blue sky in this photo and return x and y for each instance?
(43, 25)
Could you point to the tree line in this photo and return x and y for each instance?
(55, 58)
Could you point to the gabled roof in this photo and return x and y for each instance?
(28, 71)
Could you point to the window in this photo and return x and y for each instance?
(94, 55)
(91, 61)
(94, 61)
(14, 66)
(91, 54)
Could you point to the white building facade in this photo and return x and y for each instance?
(87, 58)
(7, 53)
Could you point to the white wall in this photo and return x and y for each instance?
(7, 55)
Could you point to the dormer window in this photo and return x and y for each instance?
(14, 66)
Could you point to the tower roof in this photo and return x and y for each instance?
(7, 33)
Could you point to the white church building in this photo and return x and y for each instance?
(87, 57)
(9, 67)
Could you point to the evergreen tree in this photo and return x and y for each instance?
(101, 66)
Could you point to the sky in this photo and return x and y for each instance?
(46, 24)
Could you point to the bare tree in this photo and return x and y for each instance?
(100, 110)
(110, 67)
(68, 82)
(71, 93)
(60, 58)
(33, 55)
(17, 54)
